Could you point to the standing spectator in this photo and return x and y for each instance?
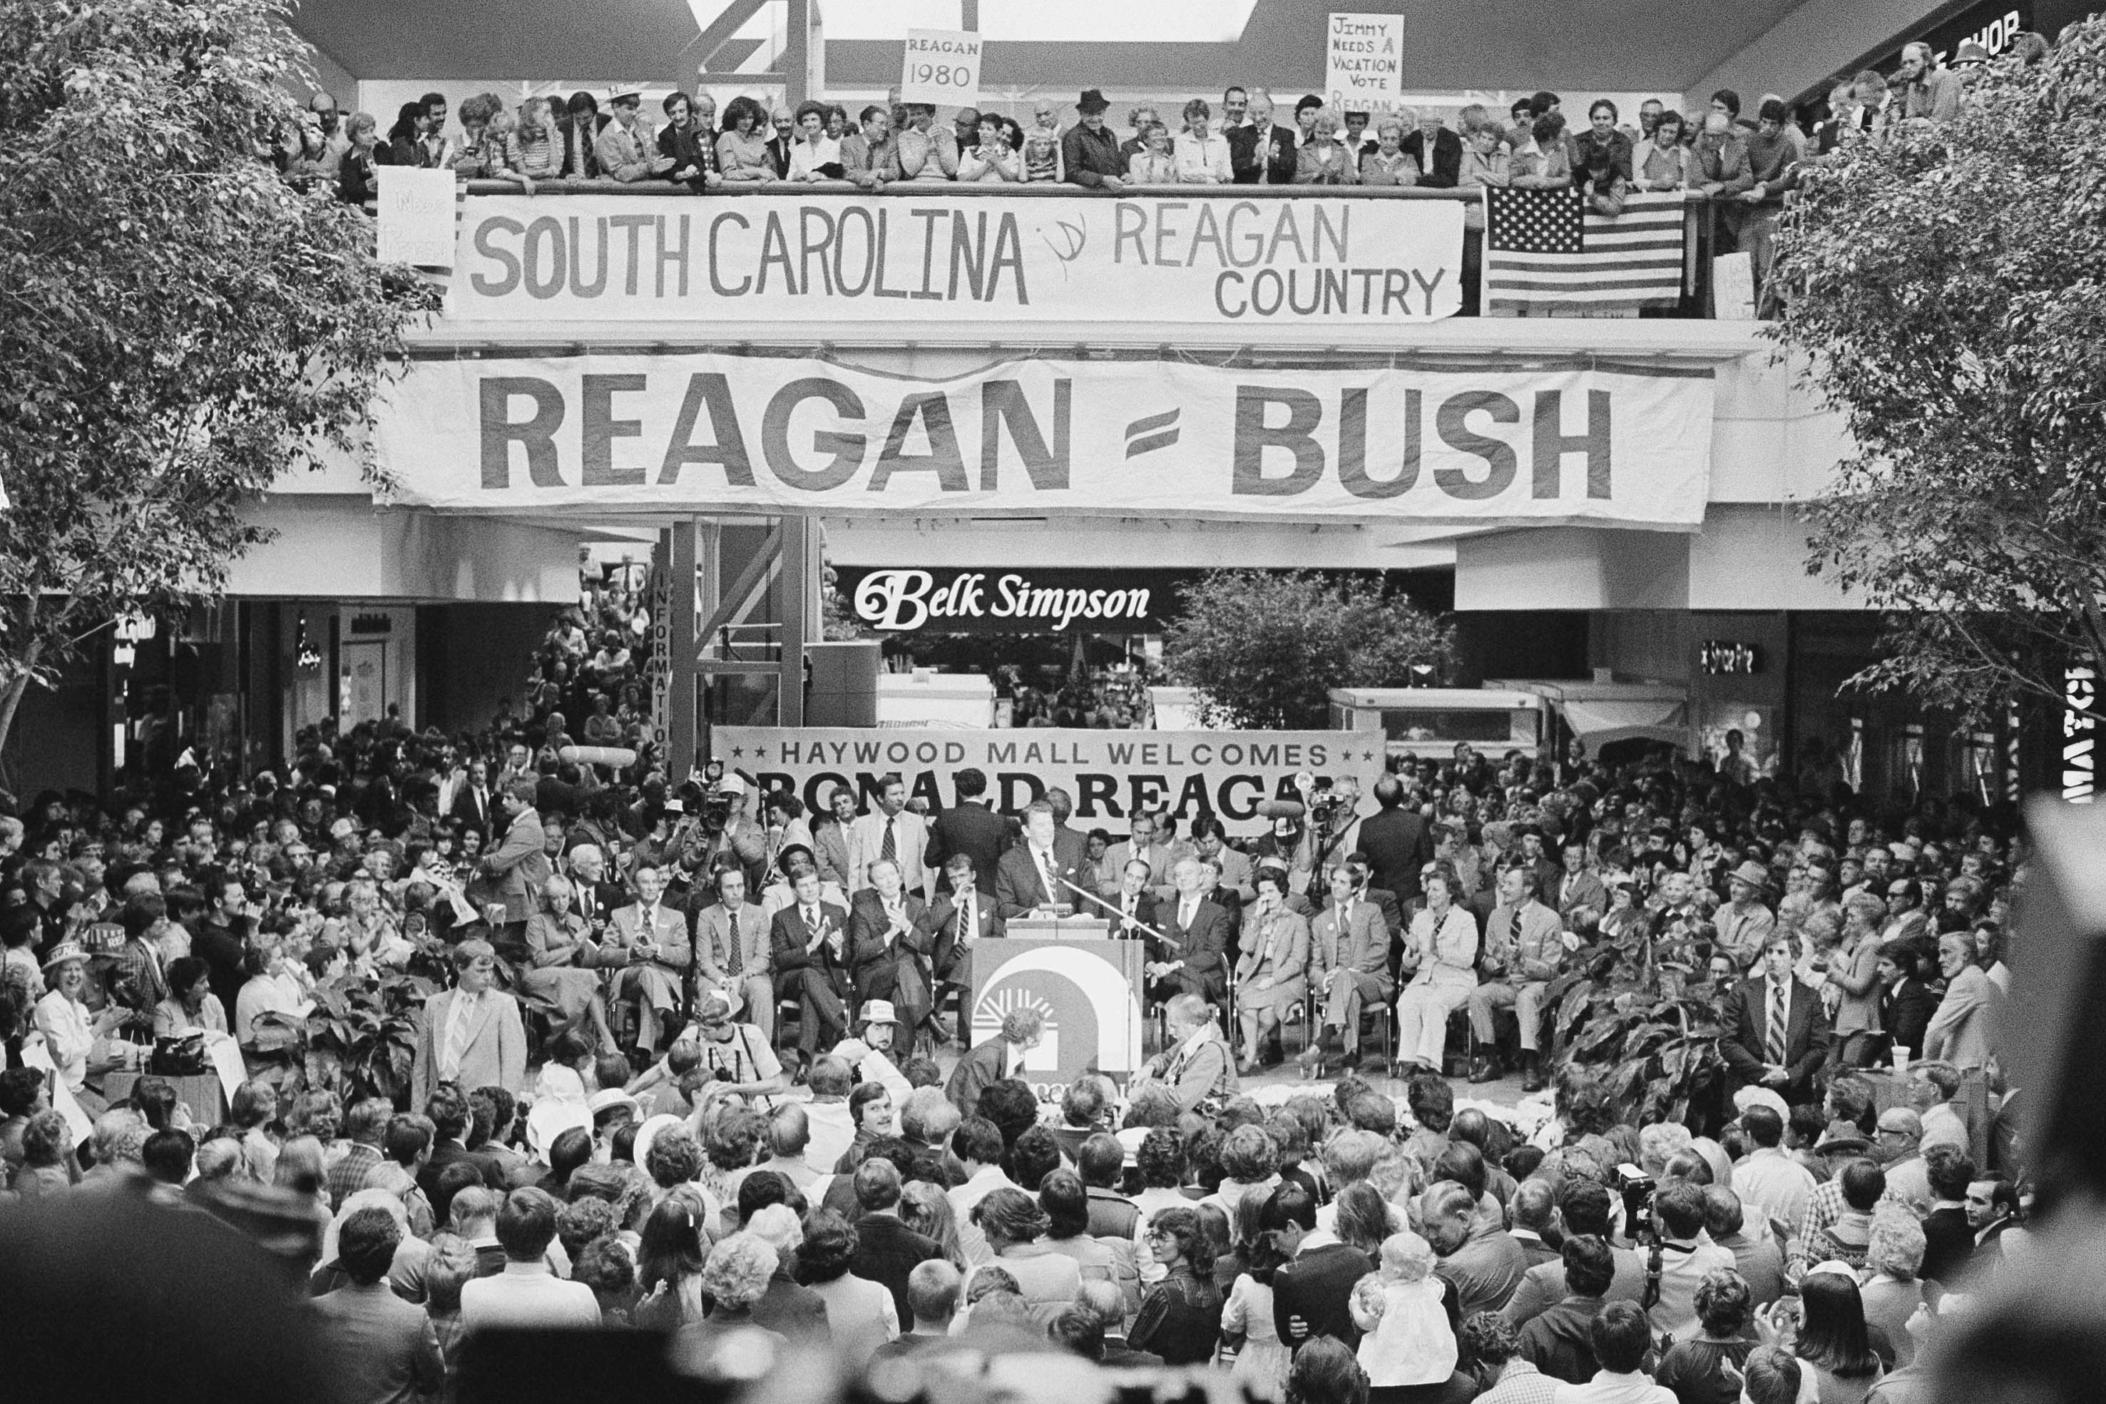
(356, 178)
(1439, 154)
(534, 147)
(1486, 161)
(1832, 1339)
(1927, 92)
(860, 1315)
(692, 148)
(1089, 153)
(1040, 153)
(1202, 155)
(1603, 144)
(814, 155)
(1621, 1341)
(527, 1295)
(1180, 1317)
(1702, 1369)
(870, 155)
(927, 151)
(1312, 1291)
(887, 1251)
(627, 148)
(1560, 1341)
(1154, 162)
(1261, 153)
(1966, 1031)
(1773, 165)
(991, 160)
(381, 1349)
(1323, 159)
(1388, 164)
(437, 152)
(471, 1034)
(1685, 1258)
(474, 157)
(580, 147)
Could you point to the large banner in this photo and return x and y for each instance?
(1108, 774)
(1190, 259)
(686, 433)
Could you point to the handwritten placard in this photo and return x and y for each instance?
(1364, 62)
(942, 68)
(417, 214)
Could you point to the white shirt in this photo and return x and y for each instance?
(985, 1181)
(806, 158)
(1607, 1388)
(69, 1034)
(1201, 160)
(527, 1296)
(1781, 1186)
(833, 1130)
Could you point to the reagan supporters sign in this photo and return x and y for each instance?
(910, 258)
(707, 432)
(1109, 774)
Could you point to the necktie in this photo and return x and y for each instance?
(966, 926)
(737, 951)
(890, 852)
(457, 1034)
(1773, 1041)
(1045, 869)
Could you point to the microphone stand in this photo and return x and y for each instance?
(1118, 915)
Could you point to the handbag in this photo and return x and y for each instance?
(180, 1056)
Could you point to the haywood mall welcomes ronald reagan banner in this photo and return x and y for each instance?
(1011, 260)
(686, 433)
(1108, 774)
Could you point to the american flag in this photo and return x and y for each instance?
(1549, 248)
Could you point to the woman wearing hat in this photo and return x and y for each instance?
(70, 1030)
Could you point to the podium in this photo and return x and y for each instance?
(1087, 988)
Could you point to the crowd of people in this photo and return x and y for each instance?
(686, 1070)
(1246, 139)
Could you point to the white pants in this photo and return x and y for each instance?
(1422, 1020)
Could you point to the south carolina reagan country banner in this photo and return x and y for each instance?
(712, 432)
(1015, 260)
(1108, 774)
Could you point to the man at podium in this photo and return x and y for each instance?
(1032, 876)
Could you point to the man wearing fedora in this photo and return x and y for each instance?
(1777, 1033)
(1089, 152)
(1745, 922)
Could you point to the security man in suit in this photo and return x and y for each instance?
(1396, 841)
(971, 828)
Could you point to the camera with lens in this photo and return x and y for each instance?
(1326, 805)
(1637, 1188)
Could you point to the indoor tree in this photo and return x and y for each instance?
(178, 326)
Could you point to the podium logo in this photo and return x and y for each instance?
(1088, 1009)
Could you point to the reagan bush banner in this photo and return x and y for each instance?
(907, 258)
(1108, 774)
(685, 433)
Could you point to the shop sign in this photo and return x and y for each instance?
(905, 600)
(2079, 760)
(681, 433)
(1109, 774)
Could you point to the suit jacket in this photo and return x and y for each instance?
(137, 980)
(1747, 1032)
(779, 156)
(790, 938)
(378, 1346)
(1145, 911)
(1288, 955)
(1906, 1011)
(1965, 1031)
(1522, 945)
(935, 936)
(721, 960)
(597, 902)
(1587, 891)
(911, 838)
(1252, 158)
(579, 158)
(1317, 1286)
(838, 851)
(981, 1068)
(520, 867)
(1157, 856)
(669, 933)
(471, 814)
(1020, 886)
(872, 963)
(1201, 946)
(887, 1252)
(496, 1052)
(1397, 844)
(1444, 171)
(1362, 946)
(791, 1310)
(1948, 1246)
(974, 830)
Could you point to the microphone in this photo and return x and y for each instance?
(1119, 915)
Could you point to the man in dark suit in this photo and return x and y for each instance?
(1396, 841)
(451, 1117)
(887, 1251)
(1758, 1048)
(1196, 963)
(1948, 1238)
(596, 899)
(1132, 909)
(1033, 874)
(1444, 170)
(971, 828)
(809, 940)
(1261, 153)
(785, 138)
(996, 1060)
(580, 134)
(474, 806)
(962, 915)
(1312, 1291)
